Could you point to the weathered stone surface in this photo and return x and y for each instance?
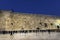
(18, 21)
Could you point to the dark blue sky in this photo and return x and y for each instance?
(50, 7)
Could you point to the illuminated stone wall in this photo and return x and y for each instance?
(23, 21)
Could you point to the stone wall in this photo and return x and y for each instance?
(23, 21)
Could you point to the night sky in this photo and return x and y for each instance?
(49, 7)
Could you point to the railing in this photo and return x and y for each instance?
(28, 31)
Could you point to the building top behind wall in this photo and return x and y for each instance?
(6, 10)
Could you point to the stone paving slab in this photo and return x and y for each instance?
(31, 36)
